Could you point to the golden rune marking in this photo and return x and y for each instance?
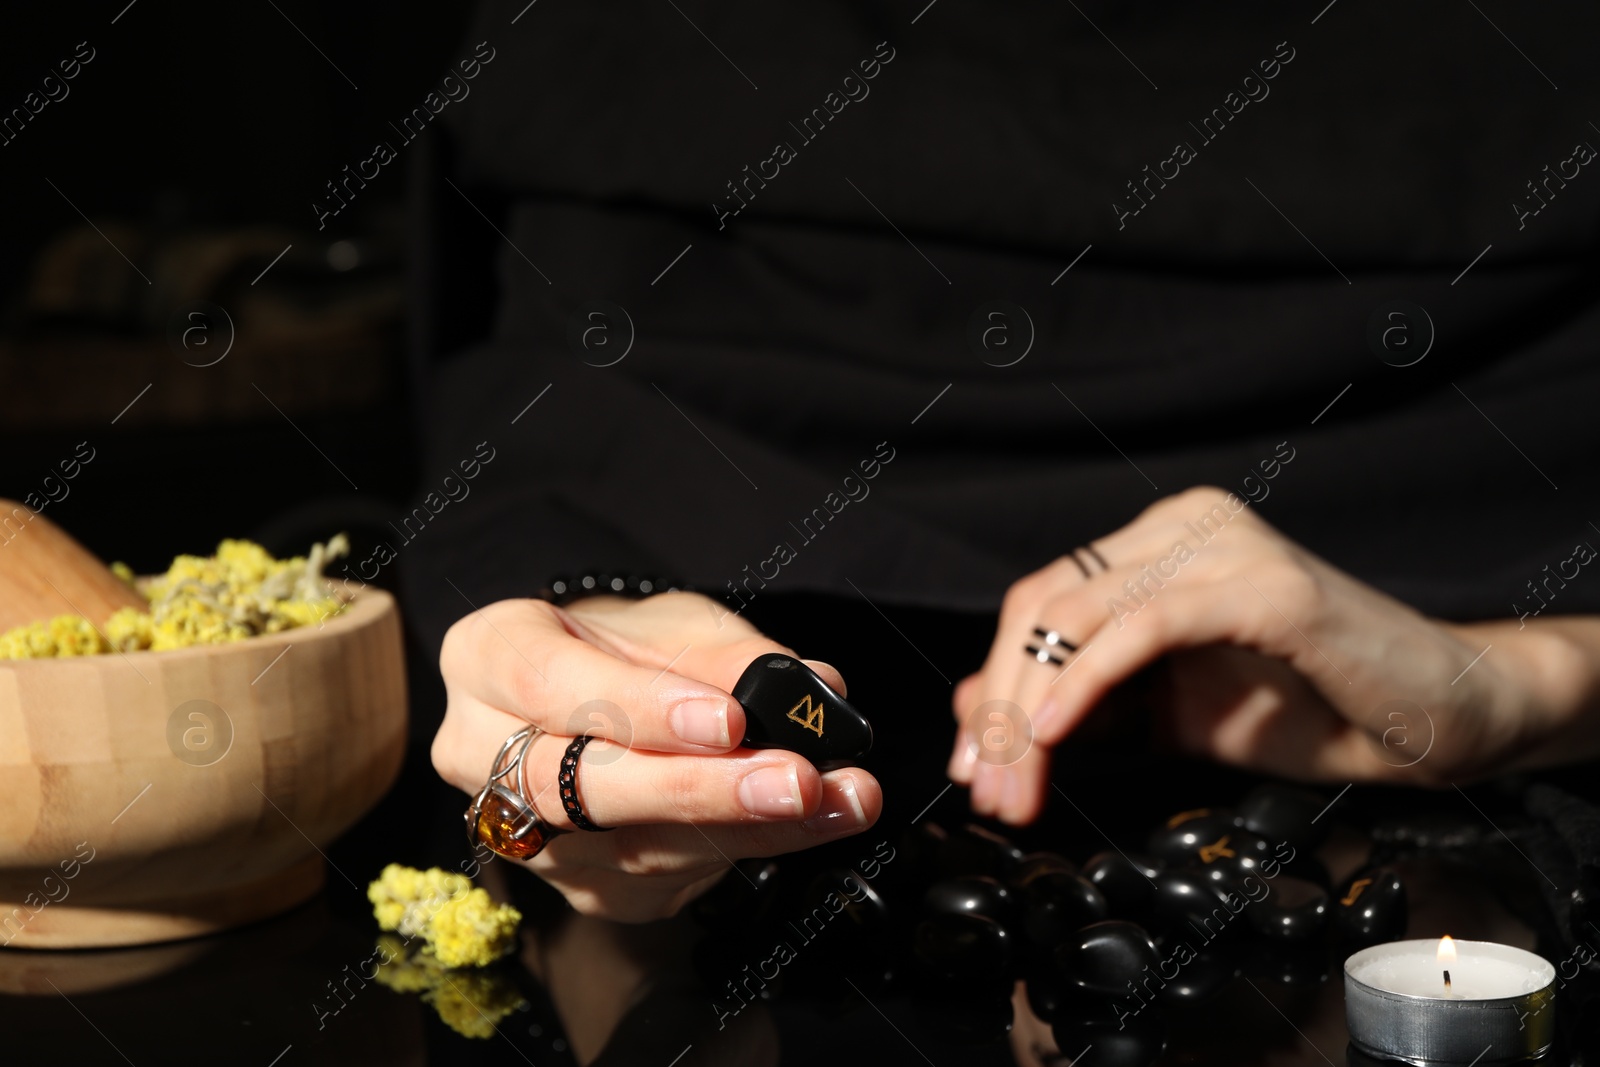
(1216, 850)
(1184, 816)
(1355, 890)
(812, 719)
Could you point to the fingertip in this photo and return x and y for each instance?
(852, 800)
(964, 695)
(1022, 797)
(986, 786)
(963, 758)
(780, 786)
(830, 674)
(1011, 807)
(867, 789)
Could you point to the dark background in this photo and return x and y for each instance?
(196, 140)
(199, 136)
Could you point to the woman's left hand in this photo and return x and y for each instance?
(1277, 662)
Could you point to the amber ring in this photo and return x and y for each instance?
(500, 816)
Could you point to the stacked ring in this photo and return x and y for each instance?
(1049, 639)
(567, 782)
(500, 817)
(1093, 554)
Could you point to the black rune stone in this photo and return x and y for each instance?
(788, 706)
(1370, 907)
(1106, 957)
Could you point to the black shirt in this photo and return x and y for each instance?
(1210, 237)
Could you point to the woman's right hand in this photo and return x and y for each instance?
(653, 677)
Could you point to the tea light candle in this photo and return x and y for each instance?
(1450, 1002)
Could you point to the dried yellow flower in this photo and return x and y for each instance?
(461, 926)
(406, 899)
(64, 635)
(405, 973)
(473, 931)
(202, 600)
(472, 1003)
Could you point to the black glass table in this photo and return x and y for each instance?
(291, 991)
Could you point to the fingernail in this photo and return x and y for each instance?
(772, 791)
(1049, 715)
(962, 759)
(701, 722)
(815, 663)
(841, 809)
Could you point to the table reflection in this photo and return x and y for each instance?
(753, 974)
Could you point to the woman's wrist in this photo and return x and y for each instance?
(1549, 693)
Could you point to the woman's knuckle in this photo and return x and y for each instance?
(528, 685)
(1023, 596)
(1203, 494)
(439, 753)
(452, 649)
(685, 793)
(445, 753)
(1301, 584)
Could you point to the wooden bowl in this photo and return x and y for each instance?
(161, 795)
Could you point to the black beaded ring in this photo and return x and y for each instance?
(567, 782)
(1097, 556)
(1044, 655)
(564, 589)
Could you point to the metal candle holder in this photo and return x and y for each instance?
(1433, 1031)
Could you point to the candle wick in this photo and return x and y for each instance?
(1447, 983)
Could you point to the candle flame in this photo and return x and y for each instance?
(1447, 950)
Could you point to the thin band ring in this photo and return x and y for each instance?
(567, 786)
(500, 816)
(1049, 641)
(1054, 638)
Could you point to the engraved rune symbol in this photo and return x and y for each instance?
(1184, 816)
(1216, 850)
(1355, 890)
(812, 719)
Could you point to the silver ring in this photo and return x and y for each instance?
(1053, 638)
(501, 817)
(1044, 655)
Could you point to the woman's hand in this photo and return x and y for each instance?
(652, 676)
(1276, 661)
